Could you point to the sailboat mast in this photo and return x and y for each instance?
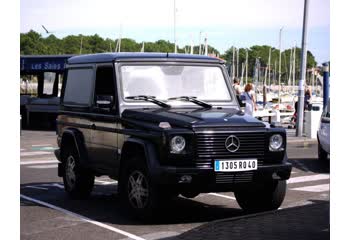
(175, 48)
(81, 44)
(237, 62)
(191, 44)
(206, 45)
(290, 67)
(269, 67)
(233, 62)
(279, 68)
(294, 68)
(200, 43)
(242, 71)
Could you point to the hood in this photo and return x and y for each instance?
(215, 117)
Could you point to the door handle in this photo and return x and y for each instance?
(93, 127)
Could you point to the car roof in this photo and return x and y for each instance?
(127, 56)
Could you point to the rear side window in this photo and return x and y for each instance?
(79, 86)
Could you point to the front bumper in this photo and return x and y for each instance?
(205, 180)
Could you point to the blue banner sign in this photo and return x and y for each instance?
(54, 63)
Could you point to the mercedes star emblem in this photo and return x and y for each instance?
(232, 143)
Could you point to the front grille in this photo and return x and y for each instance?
(211, 146)
(242, 177)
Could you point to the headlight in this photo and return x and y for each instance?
(276, 142)
(177, 144)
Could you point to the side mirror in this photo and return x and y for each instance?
(325, 120)
(104, 101)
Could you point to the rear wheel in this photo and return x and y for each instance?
(257, 198)
(78, 181)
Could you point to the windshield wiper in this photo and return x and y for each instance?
(151, 99)
(193, 100)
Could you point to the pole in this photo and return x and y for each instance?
(279, 68)
(300, 117)
(325, 84)
(246, 67)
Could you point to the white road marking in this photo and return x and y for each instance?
(315, 188)
(308, 178)
(81, 217)
(35, 187)
(57, 185)
(221, 195)
(41, 145)
(51, 185)
(106, 182)
(44, 166)
(38, 162)
(23, 149)
(26, 154)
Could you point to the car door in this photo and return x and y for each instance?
(76, 102)
(104, 140)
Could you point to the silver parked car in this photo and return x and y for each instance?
(323, 134)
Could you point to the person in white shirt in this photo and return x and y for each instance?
(248, 96)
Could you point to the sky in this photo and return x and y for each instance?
(225, 23)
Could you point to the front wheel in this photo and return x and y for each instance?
(257, 198)
(139, 194)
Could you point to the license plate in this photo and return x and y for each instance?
(235, 165)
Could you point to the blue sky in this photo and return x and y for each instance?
(223, 22)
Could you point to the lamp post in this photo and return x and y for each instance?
(300, 117)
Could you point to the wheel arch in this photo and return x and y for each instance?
(73, 137)
(133, 146)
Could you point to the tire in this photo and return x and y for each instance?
(78, 181)
(268, 196)
(139, 195)
(322, 154)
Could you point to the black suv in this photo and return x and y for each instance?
(162, 125)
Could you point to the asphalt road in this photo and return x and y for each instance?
(47, 213)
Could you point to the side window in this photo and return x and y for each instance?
(105, 93)
(78, 88)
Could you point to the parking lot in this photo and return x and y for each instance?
(47, 213)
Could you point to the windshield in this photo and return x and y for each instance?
(207, 83)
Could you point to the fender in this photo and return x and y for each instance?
(79, 142)
(151, 156)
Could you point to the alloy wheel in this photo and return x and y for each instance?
(70, 172)
(138, 190)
